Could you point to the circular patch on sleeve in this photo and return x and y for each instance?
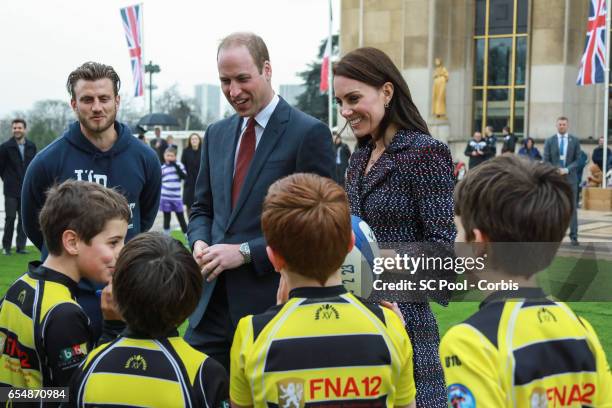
(460, 396)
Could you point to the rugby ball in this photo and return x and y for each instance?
(356, 270)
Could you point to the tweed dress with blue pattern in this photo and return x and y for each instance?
(407, 197)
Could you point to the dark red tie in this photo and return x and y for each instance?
(245, 156)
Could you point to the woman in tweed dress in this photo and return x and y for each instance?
(400, 181)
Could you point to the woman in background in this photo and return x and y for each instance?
(191, 161)
(530, 150)
(400, 182)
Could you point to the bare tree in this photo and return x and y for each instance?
(173, 103)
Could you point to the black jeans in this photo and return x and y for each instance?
(179, 216)
(214, 334)
(12, 207)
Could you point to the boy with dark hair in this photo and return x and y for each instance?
(521, 348)
(156, 285)
(324, 345)
(44, 333)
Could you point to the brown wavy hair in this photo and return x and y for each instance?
(156, 284)
(373, 67)
(81, 206)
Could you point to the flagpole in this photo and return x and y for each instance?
(606, 95)
(142, 55)
(330, 119)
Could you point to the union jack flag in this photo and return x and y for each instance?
(132, 25)
(593, 62)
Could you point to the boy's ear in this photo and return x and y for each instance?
(351, 242)
(481, 241)
(278, 262)
(480, 236)
(70, 242)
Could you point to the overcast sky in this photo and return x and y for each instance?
(42, 41)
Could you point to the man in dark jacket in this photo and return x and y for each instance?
(99, 149)
(597, 156)
(491, 140)
(510, 140)
(477, 150)
(15, 157)
(159, 145)
(342, 154)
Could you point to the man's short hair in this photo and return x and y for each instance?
(156, 284)
(306, 220)
(563, 118)
(254, 43)
(516, 200)
(92, 71)
(82, 207)
(170, 149)
(20, 120)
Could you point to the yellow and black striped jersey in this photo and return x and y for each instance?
(133, 371)
(324, 346)
(522, 349)
(44, 333)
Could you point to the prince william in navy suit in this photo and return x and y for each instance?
(241, 157)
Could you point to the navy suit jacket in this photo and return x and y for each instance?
(292, 142)
(572, 154)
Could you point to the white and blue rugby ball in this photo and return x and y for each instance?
(356, 270)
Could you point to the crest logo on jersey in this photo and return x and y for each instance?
(538, 398)
(136, 362)
(21, 297)
(460, 396)
(546, 316)
(290, 393)
(326, 312)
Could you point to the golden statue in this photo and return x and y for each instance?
(440, 78)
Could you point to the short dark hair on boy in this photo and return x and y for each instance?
(515, 200)
(156, 284)
(81, 206)
(306, 219)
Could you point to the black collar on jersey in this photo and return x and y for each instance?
(317, 292)
(134, 334)
(521, 293)
(36, 270)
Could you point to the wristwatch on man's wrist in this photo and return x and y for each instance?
(245, 251)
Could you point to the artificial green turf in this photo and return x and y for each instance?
(580, 272)
(15, 265)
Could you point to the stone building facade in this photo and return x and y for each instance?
(510, 62)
